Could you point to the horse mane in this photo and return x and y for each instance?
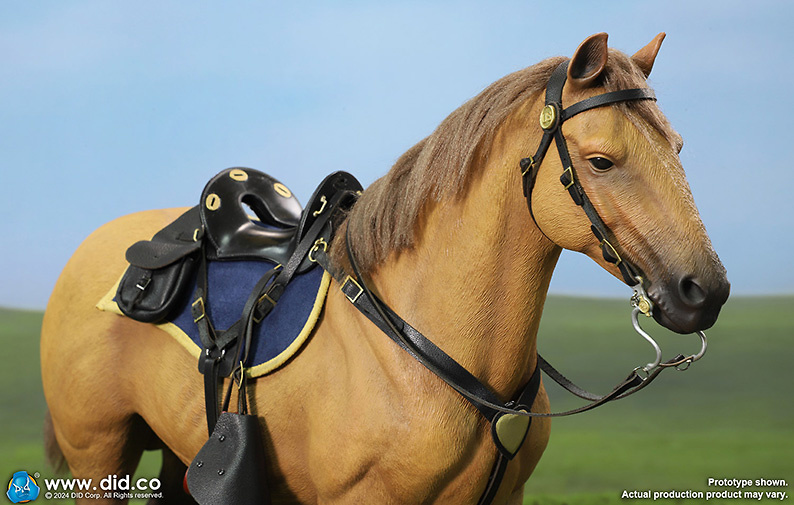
(387, 215)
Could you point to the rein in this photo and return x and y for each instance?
(510, 421)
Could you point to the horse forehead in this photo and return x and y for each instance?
(602, 121)
(606, 129)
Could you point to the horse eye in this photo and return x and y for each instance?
(601, 163)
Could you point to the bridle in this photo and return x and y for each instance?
(552, 116)
(358, 292)
(551, 119)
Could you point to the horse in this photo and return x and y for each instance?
(446, 238)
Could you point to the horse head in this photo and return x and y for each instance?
(626, 159)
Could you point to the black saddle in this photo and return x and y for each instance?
(161, 269)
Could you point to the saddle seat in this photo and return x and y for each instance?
(223, 218)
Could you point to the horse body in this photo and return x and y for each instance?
(352, 418)
(365, 407)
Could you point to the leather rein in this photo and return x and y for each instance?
(488, 403)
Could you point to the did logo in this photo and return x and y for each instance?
(22, 488)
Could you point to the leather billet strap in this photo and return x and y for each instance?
(461, 380)
(552, 130)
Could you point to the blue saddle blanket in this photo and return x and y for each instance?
(277, 338)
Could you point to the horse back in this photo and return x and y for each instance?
(98, 263)
(95, 363)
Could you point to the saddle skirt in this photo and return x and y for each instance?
(276, 339)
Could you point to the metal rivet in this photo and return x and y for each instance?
(213, 201)
(222, 438)
(238, 175)
(199, 464)
(282, 190)
(220, 472)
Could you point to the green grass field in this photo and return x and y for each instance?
(731, 416)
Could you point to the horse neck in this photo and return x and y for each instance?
(476, 282)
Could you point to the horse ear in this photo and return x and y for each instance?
(588, 61)
(645, 57)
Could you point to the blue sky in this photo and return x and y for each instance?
(108, 108)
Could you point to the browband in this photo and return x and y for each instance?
(623, 95)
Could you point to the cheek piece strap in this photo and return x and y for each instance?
(551, 119)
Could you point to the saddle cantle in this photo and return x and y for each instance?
(230, 232)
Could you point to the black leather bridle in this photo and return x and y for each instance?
(551, 119)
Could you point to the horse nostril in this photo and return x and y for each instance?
(691, 292)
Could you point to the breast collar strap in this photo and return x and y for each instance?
(551, 120)
(510, 421)
(479, 395)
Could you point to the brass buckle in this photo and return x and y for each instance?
(200, 302)
(266, 296)
(143, 283)
(605, 243)
(320, 242)
(352, 299)
(570, 174)
(529, 167)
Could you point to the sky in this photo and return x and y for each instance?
(108, 108)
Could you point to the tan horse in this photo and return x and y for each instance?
(448, 241)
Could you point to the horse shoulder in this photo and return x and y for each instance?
(379, 419)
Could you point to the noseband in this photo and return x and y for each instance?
(551, 119)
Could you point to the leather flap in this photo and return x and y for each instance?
(151, 255)
(230, 468)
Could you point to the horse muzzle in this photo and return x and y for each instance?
(689, 303)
